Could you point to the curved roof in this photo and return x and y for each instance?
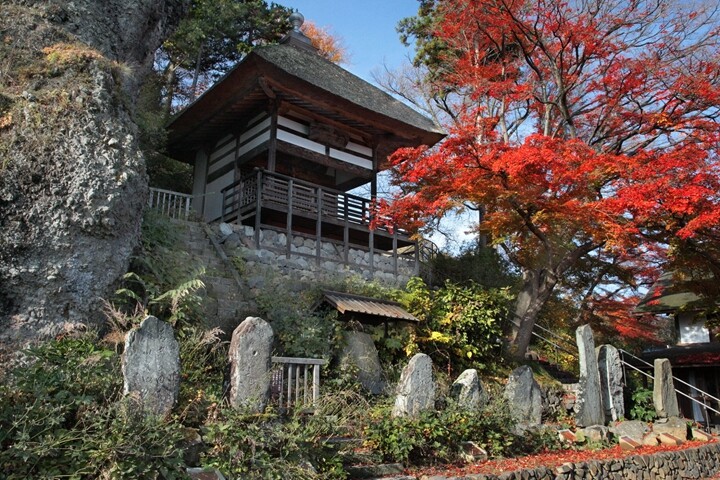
(317, 70)
(301, 77)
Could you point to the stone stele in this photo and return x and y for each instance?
(468, 391)
(250, 350)
(611, 382)
(524, 397)
(664, 396)
(360, 351)
(589, 408)
(416, 389)
(151, 366)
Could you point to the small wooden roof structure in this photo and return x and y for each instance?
(366, 309)
(292, 73)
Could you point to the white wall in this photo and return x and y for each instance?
(692, 329)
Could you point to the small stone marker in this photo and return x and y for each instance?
(473, 452)
(416, 389)
(567, 436)
(664, 396)
(151, 366)
(611, 382)
(588, 405)
(250, 350)
(627, 443)
(698, 434)
(468, 391)
(667, 439)
(360, 351)
(524, 397)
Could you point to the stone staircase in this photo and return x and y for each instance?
(226, 302)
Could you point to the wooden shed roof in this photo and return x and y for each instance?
(384, 309)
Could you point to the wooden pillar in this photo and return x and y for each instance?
(288, 224)
(346, 228)
(258, 206)
(395, 253)
(316, 382)
(318, 226)
(417, 258)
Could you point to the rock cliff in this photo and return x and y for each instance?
(72, 176)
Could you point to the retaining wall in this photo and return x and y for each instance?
(302, 259)
(696, 463)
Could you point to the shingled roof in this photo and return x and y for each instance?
(302, 77)
(317, 70)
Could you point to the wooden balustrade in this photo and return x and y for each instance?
(171, 204)
(296, 381)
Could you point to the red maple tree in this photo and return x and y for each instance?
(587, 128)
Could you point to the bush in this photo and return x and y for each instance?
(437, 436)
(264, 446)
(60, 417)
(461, 326)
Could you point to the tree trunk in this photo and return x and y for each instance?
(170, 79)
(536, 290)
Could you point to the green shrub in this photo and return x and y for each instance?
(436, 436)
(299, 330)
(60, 416)
(642, 407)
(265, 446)
(460, 326)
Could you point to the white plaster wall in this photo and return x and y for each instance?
(692, 329)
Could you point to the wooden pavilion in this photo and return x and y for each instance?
(280, 141)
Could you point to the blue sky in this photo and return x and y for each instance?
(367, 28)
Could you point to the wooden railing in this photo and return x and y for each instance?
(171, 204)
(295, 196)
(296, 381)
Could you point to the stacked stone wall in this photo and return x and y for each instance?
(700, 462)
(302, 260)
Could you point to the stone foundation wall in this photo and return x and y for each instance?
(701, 462)
(302, 260)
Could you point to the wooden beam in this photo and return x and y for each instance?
(286, 107)
(282, 82)
(321, 159)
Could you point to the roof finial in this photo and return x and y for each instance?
(296, 37)
(297, 19)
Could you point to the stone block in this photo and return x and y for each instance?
(204, 474)
(151, 366)
(611, 382)
(596, 433)
(664, 396)
(650, 440)
(360, 351)
(475, 451)
(634, 429)
(524, 397)
(468, 391)
(416, 389)
(589, 408)
(250, 350)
